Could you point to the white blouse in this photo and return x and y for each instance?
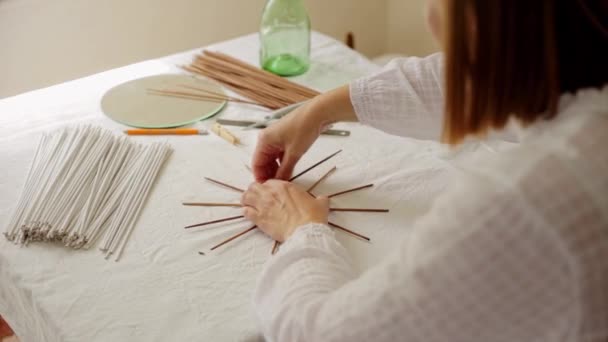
(516, 250)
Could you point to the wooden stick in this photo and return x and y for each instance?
(224, 184)
(349, 231)
(234, 85)
(314, 166)
(215, 221)
(208, 92)
(312, 187)
(275, 246)
(238, 205)
(350, 190)
(194, 96)
(276, 79)
(187, 97)
(267, 95)
(185, 93)
(212, 93)
(226, 69)
(233, 238)
(246, 89)
(252, 78)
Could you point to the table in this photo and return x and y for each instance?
(162, 290)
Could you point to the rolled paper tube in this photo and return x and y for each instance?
(224, 133)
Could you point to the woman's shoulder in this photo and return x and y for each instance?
(566, 152)
(559, 174)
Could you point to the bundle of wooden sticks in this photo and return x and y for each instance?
(261, 87)
(185, 91)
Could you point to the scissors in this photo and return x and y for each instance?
(249, 124)
(276, 115)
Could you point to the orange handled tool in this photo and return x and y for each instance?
(175, 131)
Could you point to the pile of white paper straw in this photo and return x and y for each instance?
(84, 185)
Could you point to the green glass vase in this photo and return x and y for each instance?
(285, 38)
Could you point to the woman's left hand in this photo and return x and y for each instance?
(279, 207)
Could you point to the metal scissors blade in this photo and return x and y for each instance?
(248, 124)
(277, 114)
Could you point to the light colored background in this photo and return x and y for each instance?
(46, 42)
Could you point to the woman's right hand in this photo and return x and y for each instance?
(281, 145)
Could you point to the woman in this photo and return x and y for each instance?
(517, 249)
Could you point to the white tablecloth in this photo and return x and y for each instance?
(162, 290)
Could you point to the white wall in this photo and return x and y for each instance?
(44, 42)
(407, 31)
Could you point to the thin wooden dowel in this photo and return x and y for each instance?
(195, 96)
(165, 92)
(314, 166)
(349, 231)
(265, 94)
(275, 246)
(312, 187)
(209, 92)
(234, 85)
(215, 221)
(187, 97)
(230, 205)
(247, 80)
(185, 93)
(232, 238)
(276, 79)
(224, 184)
(238, 205)
(350, 190)
(251, 78)
(254, 84)
(214, 94)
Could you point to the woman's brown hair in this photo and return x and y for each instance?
(514, 58)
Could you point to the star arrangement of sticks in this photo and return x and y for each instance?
(309, 190)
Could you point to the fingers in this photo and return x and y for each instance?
(251, 214)
(249, 200)
(264, 163)
(288, 162)
(324, 200)
(275, 185)
(251, 196)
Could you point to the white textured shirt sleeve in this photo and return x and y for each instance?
(463, 275)
(405, 98)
